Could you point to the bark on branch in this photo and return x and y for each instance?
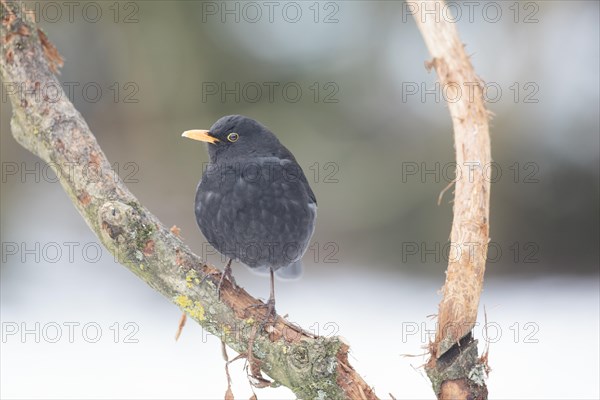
(454, 368)
(312, 367)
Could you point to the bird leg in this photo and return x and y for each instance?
(226, 273)
(271, 303)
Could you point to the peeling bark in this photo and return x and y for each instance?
(454, 368)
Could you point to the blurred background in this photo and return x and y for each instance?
(343, 85)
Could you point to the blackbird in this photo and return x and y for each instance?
(253, 203)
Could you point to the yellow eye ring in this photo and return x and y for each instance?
(233, 137)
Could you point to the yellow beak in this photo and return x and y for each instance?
(200, 134)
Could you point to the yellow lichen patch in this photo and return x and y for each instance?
(197, 312)
(192, 308)
(191, 276)
(183, 301)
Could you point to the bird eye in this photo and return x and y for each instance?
(233, 137)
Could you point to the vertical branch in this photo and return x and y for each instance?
(454, 368)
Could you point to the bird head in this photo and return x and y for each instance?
(236, 135)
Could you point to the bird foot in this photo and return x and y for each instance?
(270, 314)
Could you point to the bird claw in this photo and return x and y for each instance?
(271, 313)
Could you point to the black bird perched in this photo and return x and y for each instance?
(254, 203)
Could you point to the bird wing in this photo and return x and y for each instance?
(263, 205)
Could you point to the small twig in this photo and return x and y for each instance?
(253, 369)
(182, 321)
(444, 190)
(228, 392)
(484, 359)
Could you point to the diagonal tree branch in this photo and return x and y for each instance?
(454, 368)
(312, 367)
